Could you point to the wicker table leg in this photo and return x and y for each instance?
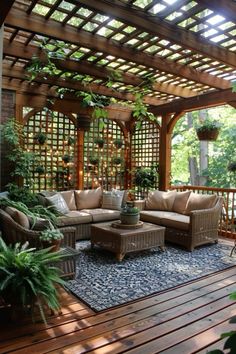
(120, 256)
(233, 249)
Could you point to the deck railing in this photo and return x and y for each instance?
(227, 226)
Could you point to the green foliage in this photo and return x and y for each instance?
(117, 160)
(118, 143)
(94, 160)
(12, 134)
(40, 137)
(232, 166)
(39, 169)
(145, 177)
(51, 235)
(129, 209)
(21, 194)
(208, 125)
(70, 141)
(99, 141)
(66, 158)
(27, 277)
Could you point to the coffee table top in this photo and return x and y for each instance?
(106, 226)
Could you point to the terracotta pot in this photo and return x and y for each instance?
(55, 244)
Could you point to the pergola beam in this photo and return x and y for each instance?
(162, 29)
(18, 73)
(211, 99)
(19, 50)
(53, 29)
(225, 7)
(5, 7)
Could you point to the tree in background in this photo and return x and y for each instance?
(186, 150)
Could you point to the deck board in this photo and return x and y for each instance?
(186, 319)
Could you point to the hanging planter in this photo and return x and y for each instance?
(94, 160)
(99, 141)
(66, 158)
(208, 131)
(117, 161)
(39, 169)
(118, 143)
(232, 166)
(41, 138)
(70, 141)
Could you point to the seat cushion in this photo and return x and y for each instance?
(18, 216)
(69, 197)
(58, 203)
(74, 217)
(166, 218)
(100, 214)
(88, 199)
(159, 200)
(199, 202)
(180, 202)
(152, 216)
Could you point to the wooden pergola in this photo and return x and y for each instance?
(187, 46)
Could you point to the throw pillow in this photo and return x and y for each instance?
(69, 197)
(181, 200)
(39, 224)
(112, 200)
(199, 202)
(88, 199)
(159, 200)
(58, 202)
(19, 217)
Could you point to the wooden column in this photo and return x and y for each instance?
(165, 154)
(80, 159)
(1, 54)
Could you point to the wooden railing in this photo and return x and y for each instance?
(227, 226)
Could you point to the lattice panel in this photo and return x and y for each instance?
(108, 167)
(145, 147)
(54, 166)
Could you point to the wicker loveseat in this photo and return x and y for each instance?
(190, 219)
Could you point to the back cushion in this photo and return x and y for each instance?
(199, 201)
(88, 199)
(18, 217)
(159, 200)
(58, 202)
(69, 197)
(39, 224)
(112, 200)
(180, 203)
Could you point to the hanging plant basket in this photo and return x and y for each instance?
(117, 160)
(41, 138)
(70, 141)
(232, 166)
(39, 169)
(94, 160)
(83, 122)
(66, 158)
(99, 141)
(208, 134)
(118, 143)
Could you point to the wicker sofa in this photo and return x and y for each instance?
(83, 208)
(190, 219)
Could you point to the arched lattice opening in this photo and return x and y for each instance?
(51, 136)
(104, 162)
(145, 142)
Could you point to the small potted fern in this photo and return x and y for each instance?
(51, 238)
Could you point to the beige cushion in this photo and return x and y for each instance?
(166, 218)
(19, 217)
(74, 218)
(69, 197)
(112, 200)
(159, 200)
(58, 202)
(88, 199)
(200, 201)
(181, 200)
(100, 214)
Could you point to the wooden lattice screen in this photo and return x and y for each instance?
(104, 166)
(54, 166)
(145, 143)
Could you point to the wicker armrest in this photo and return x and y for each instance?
(69, 236)
(140, 204)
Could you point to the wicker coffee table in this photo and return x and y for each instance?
(122, 241)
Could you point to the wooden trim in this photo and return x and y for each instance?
(5, 7)
(80, 159)
(165, 154)
(162, 29)
(50, 28)
(225, 7)
(211, 99)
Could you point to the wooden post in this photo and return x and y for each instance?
(80, 159)
(165, 154)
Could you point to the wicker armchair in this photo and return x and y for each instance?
(12, 232)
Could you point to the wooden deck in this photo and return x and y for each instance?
(187, 319)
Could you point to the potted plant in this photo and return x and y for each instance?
(28, 279)
(70, 141)
(94, 160)
(145, 177)
(208, 130)
(129, 214)
(232, 166)
(51, 238)
(39, 169)
(118, 143)
(40, 137)
(66, 158)
(99, 141)
(117, 160)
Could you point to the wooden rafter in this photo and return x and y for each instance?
(5, 7)
(161, 29)
(19, 50)
(227, 8)
(53, 29)
(18, 73)
(194, 103)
